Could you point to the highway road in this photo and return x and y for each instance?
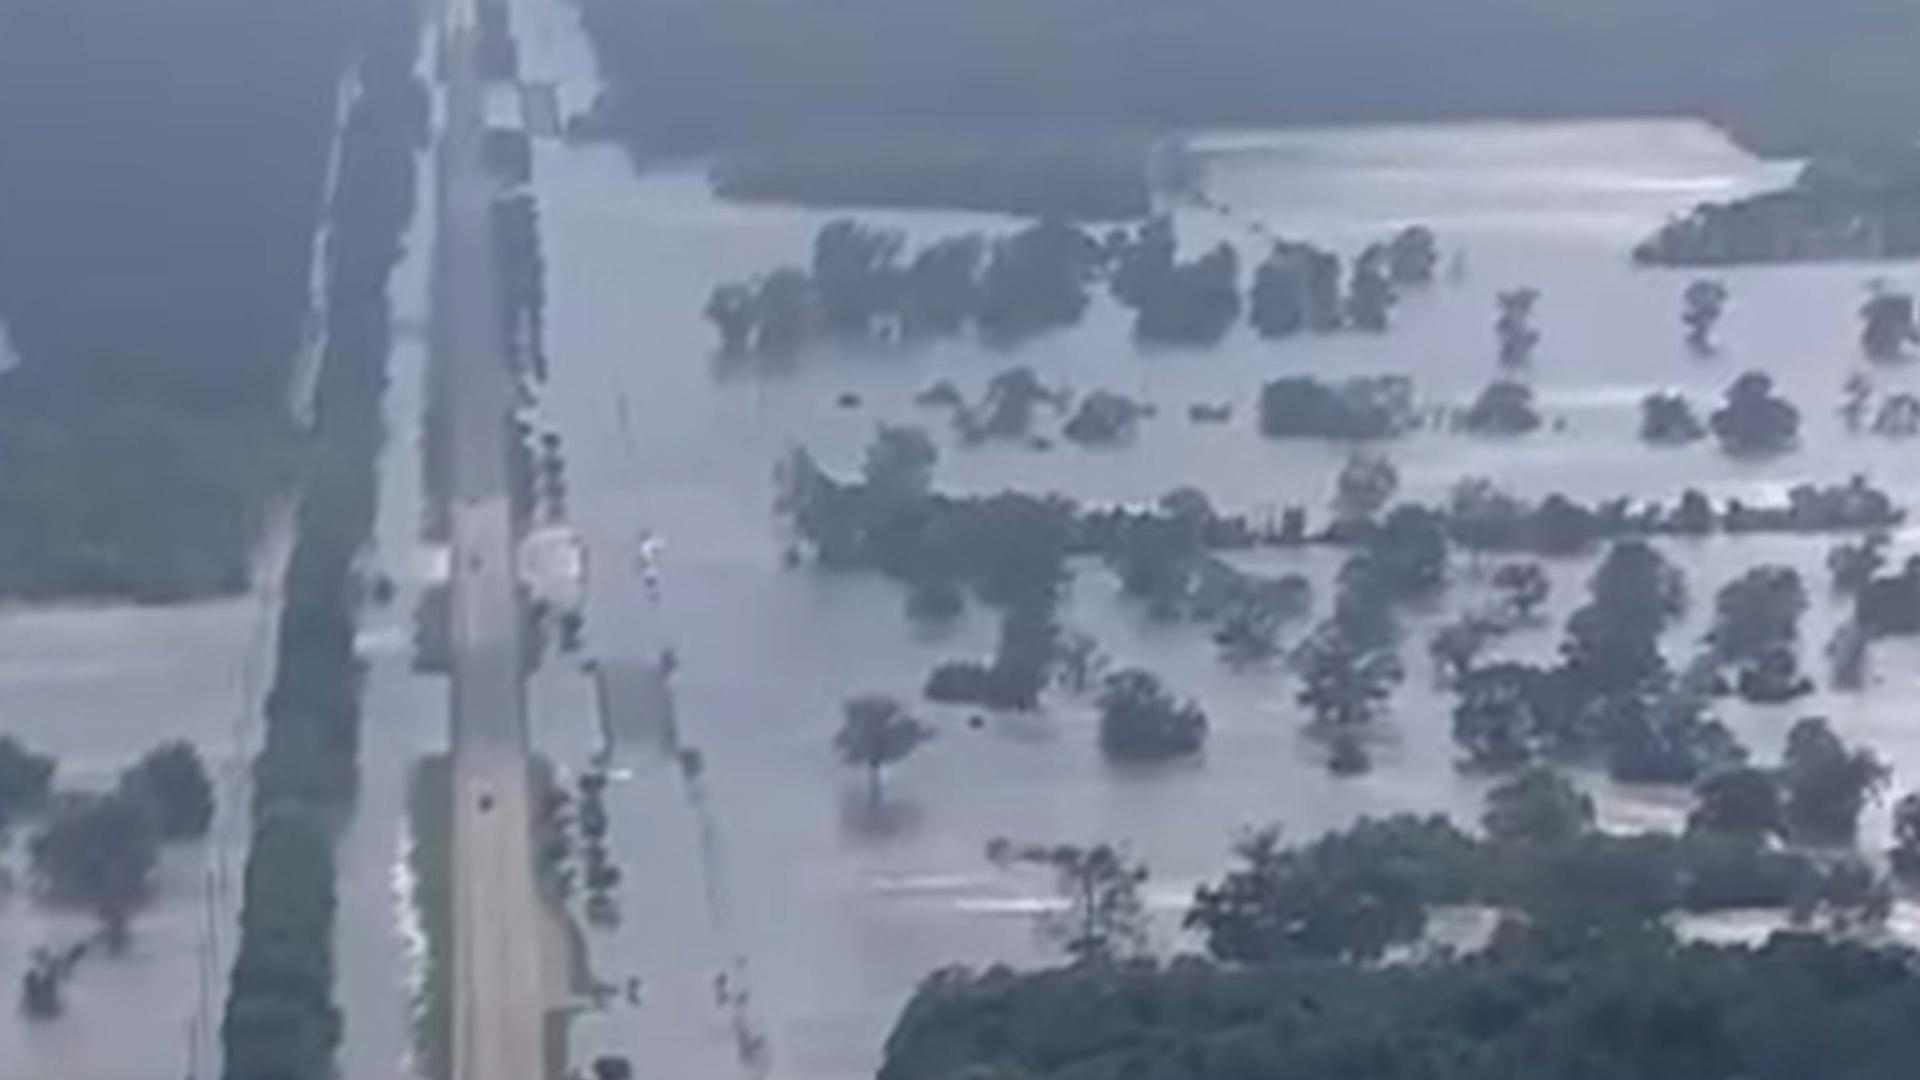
(499, 987)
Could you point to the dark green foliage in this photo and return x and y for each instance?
(1754, 419)
(1827, 783)
(1524, 586)
(1756, 626)
(1857, 205)
(1345, 683)
(1503, 714)
(1103, 417)
(693, 77)
(1852, 564)
(876, 732)
(1628, 1006)
(1370, 292)
(1296, 288)
(1887, 324)
(172, 783)
(25, 779)
(98, 851)
(1668, 420)
(1411, 256)
(1538, 806)
(1505, 407)
(1101, 918)
(1905, 853)
(1743, 802)
(156, 238)
(1350, 895)
(280, 1021)
(1704, 301)
(859, 287)
(1036, 280)
(1364, 487)
(1141, 721)
(1360, 408)
(1514, 328)
(1192, 303)
(1020, 669)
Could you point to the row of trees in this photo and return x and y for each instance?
(281, 1021)
(861, 285)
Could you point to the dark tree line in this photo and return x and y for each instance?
(156, 240)
(280, 1021)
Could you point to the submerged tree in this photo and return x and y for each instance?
(1887, 323)
(877, 731)
(1101, 918)
(1505, 407)
(172, 782)
(1667, 419)
(1412, 255)
(1703, 303)
(99, 851)
(1523, 586)
(1827, 783)
(25, 778)
(1344, 685)
(1366, 484)
(1537, 806)
(1141, 721)
(1370, 294)
(1514, 327)
(1754, 419)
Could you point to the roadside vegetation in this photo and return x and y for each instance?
(281, 1021)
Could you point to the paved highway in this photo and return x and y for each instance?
(500, 996)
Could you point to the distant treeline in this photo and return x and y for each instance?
(1783, 74)
(162, 169)
(281, 1021)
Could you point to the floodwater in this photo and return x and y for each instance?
(96, 687)
(774, 859)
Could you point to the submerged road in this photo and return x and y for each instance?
(499, 996)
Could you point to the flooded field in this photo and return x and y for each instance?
(772, 864)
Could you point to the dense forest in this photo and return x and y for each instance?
(1632, 1006)
(162, 170)
(1783, 74)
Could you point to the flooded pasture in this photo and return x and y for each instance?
(772, 864)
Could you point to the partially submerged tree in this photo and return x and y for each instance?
(1141, 721)
(1827, 783)
(173, 783)
(1514, 327)
(1101, 917)
(1742, 802)
(1702, 305)
(25, 778)
(877, 731)
(98, 851)
(1523, 587)
(1538, 806)
(1668, 420)
(1754, 419)
(1366, 484)
(1887, 323)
